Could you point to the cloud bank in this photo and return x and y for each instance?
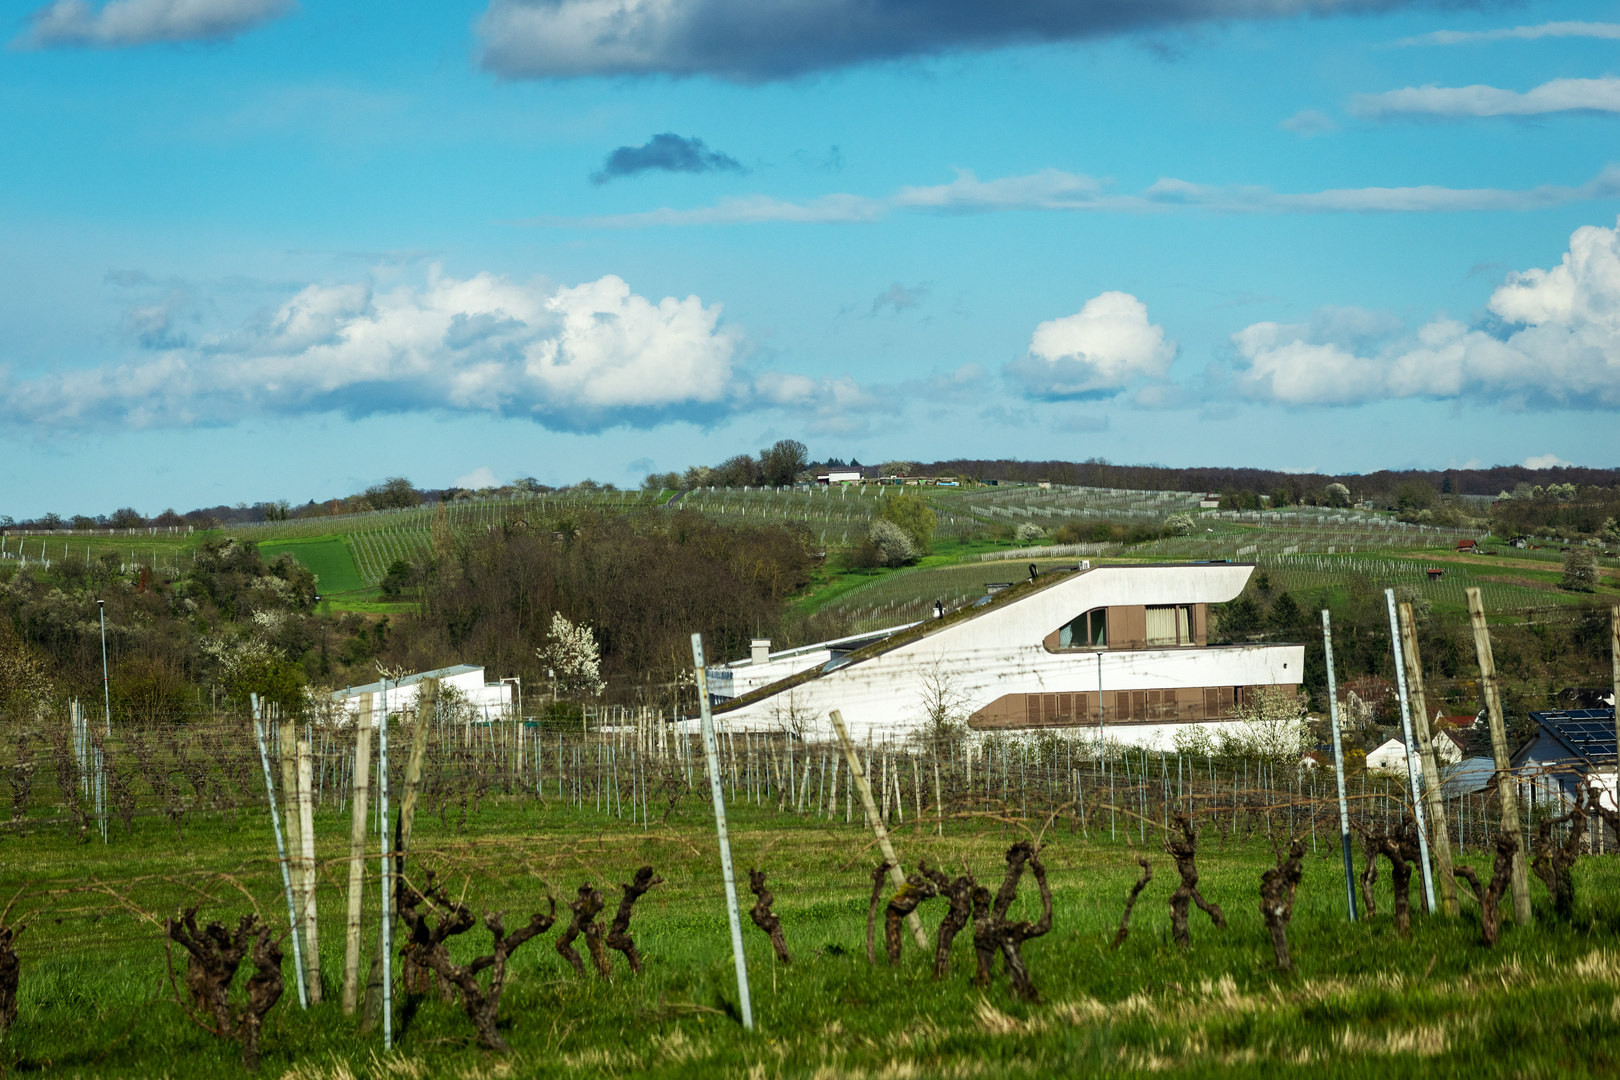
(1560, 95)
(749, 41)
(1609, 31)
(577, 358)
(668, 152)
(1554, 342)
(123, 23)
(1107, 345)
(1053, 190)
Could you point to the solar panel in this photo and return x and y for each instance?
(1589, 732)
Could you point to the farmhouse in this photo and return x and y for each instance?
(490, 700)
(1122, 649)
(1569, 746)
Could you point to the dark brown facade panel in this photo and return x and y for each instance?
(1188, 704)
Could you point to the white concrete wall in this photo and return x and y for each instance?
(491, 700)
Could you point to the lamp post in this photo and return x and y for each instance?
(106, 685)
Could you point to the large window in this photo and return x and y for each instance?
(1088, 631)
(1169, 624)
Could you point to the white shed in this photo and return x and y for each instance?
(492, 701)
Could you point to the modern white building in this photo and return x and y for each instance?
(1119, 649)
(490, 701)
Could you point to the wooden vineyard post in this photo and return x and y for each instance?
(1338, 766)
(1413, 775)
(711, 753)
(281, 851)
(287, 738)
(858, 776)
(1499, 751)
(1431, 771)
(427, 704)
(357, 854)
(306, 839)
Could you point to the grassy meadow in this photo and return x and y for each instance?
(96, 1000)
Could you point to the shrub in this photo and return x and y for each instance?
(892, 544)
(914, 517)
(1580, 570)
(1180, 524)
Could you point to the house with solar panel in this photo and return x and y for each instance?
(1122, 650)
(1570, 746)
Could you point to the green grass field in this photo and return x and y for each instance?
(327, 557)
(95, 998)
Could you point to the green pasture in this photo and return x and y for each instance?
(96, 1000)
(327, 557)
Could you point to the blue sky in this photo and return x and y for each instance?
(257, 249)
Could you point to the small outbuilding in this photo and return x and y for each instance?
(491, 701)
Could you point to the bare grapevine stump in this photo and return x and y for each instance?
(10, 972)
(959, 894)
(618, 936)
(585, 908)
(764, 917)
(1400, 847)
(992, 932)
(905, 900)
(423, 937)
(264, 989)
(1277, 887)
(878, 877)
(1554, 862)
(481, 1004)
(1490, 897)
(1369, 876)
(1130, 902)
(1185, 852)
(215, 954)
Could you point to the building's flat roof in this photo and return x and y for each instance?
(408, 680)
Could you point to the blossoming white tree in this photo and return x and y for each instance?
(571, 653)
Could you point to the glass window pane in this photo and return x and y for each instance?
(1161, 626)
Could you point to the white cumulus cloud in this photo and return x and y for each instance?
(1105, 346)
(479, 478)
(580, 357)
(1556, 343)
(1547, 461)
(120, 23)
(1559, 95)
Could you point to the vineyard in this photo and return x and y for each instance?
(538, 820)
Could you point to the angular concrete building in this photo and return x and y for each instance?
(1120, 649)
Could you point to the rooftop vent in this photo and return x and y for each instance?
(760, 650)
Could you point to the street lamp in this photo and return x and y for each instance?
(106, 686)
